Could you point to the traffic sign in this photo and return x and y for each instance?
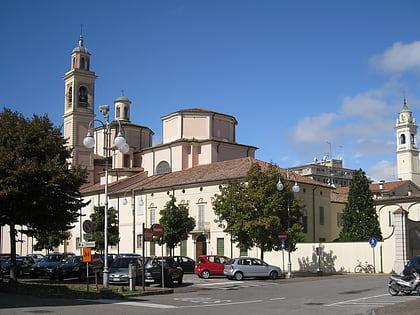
(87, 244)
(96, 260)
(282, 236)
(373, 241)
(87, 226)
(148, 235)
(157, 229)
(87, 254)
(87, 236)
(282, 245)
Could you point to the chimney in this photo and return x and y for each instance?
(381, 184)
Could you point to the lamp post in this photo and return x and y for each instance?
(121, 144)
(295, 189)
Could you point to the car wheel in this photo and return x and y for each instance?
(180, 281)
(274, 275)
(205, 274)
(169, 283)
(238, 276)
(82, 276)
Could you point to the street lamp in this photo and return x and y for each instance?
(295, 189)
(123, 147)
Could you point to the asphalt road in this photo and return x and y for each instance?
(349, 294)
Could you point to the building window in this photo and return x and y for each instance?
(220, 246)
(184, 248)
(201, 222)
(152, 248)
(402, 139)
(305, 223)
(83, 96)
(321, 216)
(118, 112)
(139, 240)
(412, 139)
(339, 219)
(152, 215)
(163, 168)
(127, 160)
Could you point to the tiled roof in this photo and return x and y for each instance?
(214, 172)
(388, 186)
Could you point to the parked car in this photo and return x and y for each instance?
(186, 263)
(47, 266)
(23, 264)
(171, 271)
(208, 265)
(37, 257)
(118, 272)
(74, 267)
(239, 268)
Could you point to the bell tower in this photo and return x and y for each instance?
(407, 146)
(79, 85)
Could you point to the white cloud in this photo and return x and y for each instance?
(366, 105)
(312, 129)
(400, 57)
(383, 170)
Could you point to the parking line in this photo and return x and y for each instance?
(132, 303)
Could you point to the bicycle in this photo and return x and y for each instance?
(366, 267)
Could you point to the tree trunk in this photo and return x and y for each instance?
(262, 255)
(12, 252)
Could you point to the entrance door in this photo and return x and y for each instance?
(200, 246)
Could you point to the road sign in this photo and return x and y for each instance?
(282, 245)
(87, 254)
(282, 236)
(87, 226)
(87, 236)
(87, 244)
(373, 241)
(148, 235)
(157, 229)
(96, 260)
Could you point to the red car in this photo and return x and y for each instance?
(210, 265)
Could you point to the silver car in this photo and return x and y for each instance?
(239, 268)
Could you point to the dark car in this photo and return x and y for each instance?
(74, 267)
(413, 264)
(119, 273)
(23, 264)
(186, 263)
(37, 257)
(47, 266)
(207, 265)
(171, 271)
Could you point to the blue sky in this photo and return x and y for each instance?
(297, 75)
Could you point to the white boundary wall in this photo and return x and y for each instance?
(337, 257)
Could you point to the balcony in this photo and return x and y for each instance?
(202, 226)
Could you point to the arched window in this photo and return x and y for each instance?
(70, 95)
(163, 168)
(118, 112)
(82, 63)
(83, 95)
(412, 138)
(402, 139)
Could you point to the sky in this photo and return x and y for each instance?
(304, 79)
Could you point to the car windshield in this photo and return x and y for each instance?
(73, 260)
(53, 258)
(124, 262)
(155, 262)
(230, 262)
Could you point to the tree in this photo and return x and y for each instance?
(176, 224)
(360, 220)
(253, 212)
(48, 239)
(38, 187)
(98, 220)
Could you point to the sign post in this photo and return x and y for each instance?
(282, 237)
(373, 241)
(87, 258)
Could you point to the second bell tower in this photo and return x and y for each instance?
(407, 146)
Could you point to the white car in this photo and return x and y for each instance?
(239, 268)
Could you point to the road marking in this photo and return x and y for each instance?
(275, 299)
(132, 303)
(215, 283)
(221, 304)
(383, 299)
(349, 301)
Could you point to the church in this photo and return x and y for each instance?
(198, 154)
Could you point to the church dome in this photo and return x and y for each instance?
(122, 99)
(81, 48)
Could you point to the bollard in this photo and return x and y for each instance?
(132, 277)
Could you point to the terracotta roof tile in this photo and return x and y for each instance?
(214, 172)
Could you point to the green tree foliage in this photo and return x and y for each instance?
(38, 187)
(176, 224)
(48, 239)
(360, 220)
(253, 212)
(98, 220)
